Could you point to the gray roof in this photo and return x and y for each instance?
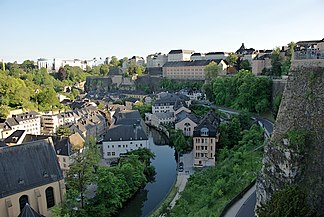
(125, 133)
(180, 51)
(214, 53)
(183, 114)
(27, 166)
(11, 122)
(211, 122)
(27, 211)
(191, 63)
(26, 116)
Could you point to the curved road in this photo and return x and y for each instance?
(247, 208)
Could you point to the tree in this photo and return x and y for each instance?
(4, 112)
(290, 201)
(232, 58)
(61, 74)
(212, 70)
(63, 131)
(230, 133)
(82, 170)
(135, 69)
(104, 69)
(245, 65)
(275, 62)
(47, 100)
(114, 61)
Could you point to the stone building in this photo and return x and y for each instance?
(30, 174)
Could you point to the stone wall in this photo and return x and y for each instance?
(301, 110)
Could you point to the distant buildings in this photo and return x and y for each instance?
(156, 60)
(179, 55)
(191, 70)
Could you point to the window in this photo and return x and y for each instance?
(64, 160)
(108, 153)
(113, 153)
(22, 201)
(50, 197)
(204, 131)
(119, 146)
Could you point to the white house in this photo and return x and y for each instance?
(179, 55)
(121, 139)
(162, 118)
(156, 60)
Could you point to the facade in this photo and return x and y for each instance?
(197, 56)
(205, 138)
(260, 63)
(190, 70)
(121, 139)
(28, 121)
(309, 50)
(179, 55)
(216, 55)
(186, 122)
(156, 60)
(162, 118)
(45, 63)
(30, 174)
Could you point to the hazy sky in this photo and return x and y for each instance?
(99, 28)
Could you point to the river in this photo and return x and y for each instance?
(147, 199)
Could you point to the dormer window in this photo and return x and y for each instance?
(204, 131)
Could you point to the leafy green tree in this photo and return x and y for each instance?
(63, 131)
(104, 69)
(245, 65)
(275, 62)
(143, 108)
(134, 68)
(114, 61)
(212, 70)
(82, 170)
(230, 133)
(47, 100)
(232, 58)
(4, 112)
(290, 201)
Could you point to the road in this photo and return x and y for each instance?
(247, 203)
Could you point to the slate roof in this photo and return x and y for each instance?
(183, 115)
(27, 211)
(125, 133)
(191, 63)
(27, 166)
(178, 104)
(214, 53)
(211, 122)
(163, 115)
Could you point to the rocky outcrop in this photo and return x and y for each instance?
(295, 153)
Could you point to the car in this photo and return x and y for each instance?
(180, 169)
(181, 164)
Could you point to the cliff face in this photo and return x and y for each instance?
(295, 153)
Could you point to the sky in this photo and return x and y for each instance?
(85, 29)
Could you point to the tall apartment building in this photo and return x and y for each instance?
(205, 138)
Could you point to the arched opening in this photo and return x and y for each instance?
(50, 201)
(22, 201)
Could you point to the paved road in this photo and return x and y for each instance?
(247, 209)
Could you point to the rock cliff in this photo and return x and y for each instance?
(295, 153)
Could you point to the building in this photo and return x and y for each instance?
(45, 63)
(191, 70)
(167, 101)
(205, 138)
(30, 174)
(197, 56)
(121, 139)
(156, 60)
(261, 62)
(309, 50)
(186, 122)
(179, 55)
(28, 121)
(162, 118)
(216, 55)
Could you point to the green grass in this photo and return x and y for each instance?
(208, 191)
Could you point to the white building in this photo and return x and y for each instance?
(156, 60)
(216, 55)
(162, 118)
(45, 63)
(28, 121)
(179, 55)
(197, 56)
(121, 139)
